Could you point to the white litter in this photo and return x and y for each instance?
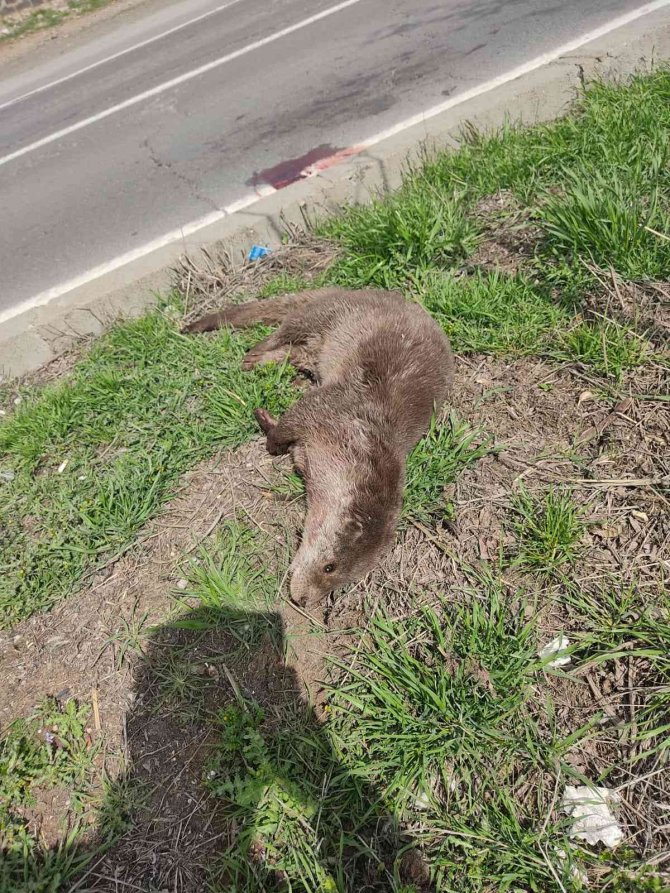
(556, 646)
(591, 815)
(63, 466)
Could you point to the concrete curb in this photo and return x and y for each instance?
(39, 335)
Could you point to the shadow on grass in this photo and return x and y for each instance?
(234, 783)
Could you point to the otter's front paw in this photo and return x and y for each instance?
(267, 422)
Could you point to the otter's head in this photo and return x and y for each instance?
(342, 542)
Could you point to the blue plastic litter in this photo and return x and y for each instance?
(258, 251)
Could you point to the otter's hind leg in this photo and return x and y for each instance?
(273, 348)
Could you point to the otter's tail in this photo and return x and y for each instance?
(238, 316)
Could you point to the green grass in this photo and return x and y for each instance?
(47, 18)
(143, 407)
(491, 312)
(231, 572)
(437, 460)
(273, 785)
(429, 697)
(128, 639)
(37, 870)
(36, 21)
(606, 346)
(290, 486)
(621, 624)
(284, 283)
(595, 183)
(394, 237)
(548, 529)
(233, 580)
(612, 128)
(83, 6)
(50, 749)
(611, 222)
(435, 725)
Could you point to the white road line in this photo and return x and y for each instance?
(175, 82)
(175, 235)
(195, 226)
(519, 71)
(131, 49)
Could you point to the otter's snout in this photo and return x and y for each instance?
(304, 588)
(299, 592)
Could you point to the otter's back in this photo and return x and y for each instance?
(393, 353)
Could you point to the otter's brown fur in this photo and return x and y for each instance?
(382, 366)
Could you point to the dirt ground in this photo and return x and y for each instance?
(550, 426)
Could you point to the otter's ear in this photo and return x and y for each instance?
(354, 529)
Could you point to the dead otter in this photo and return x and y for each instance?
(382, 366)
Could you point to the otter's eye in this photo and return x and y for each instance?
(329, 568)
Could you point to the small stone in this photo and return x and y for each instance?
(607, 531)
(182, 584)
(449, 492)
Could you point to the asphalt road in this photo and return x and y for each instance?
(280, 86)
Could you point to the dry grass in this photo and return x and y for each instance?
(300, 262)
